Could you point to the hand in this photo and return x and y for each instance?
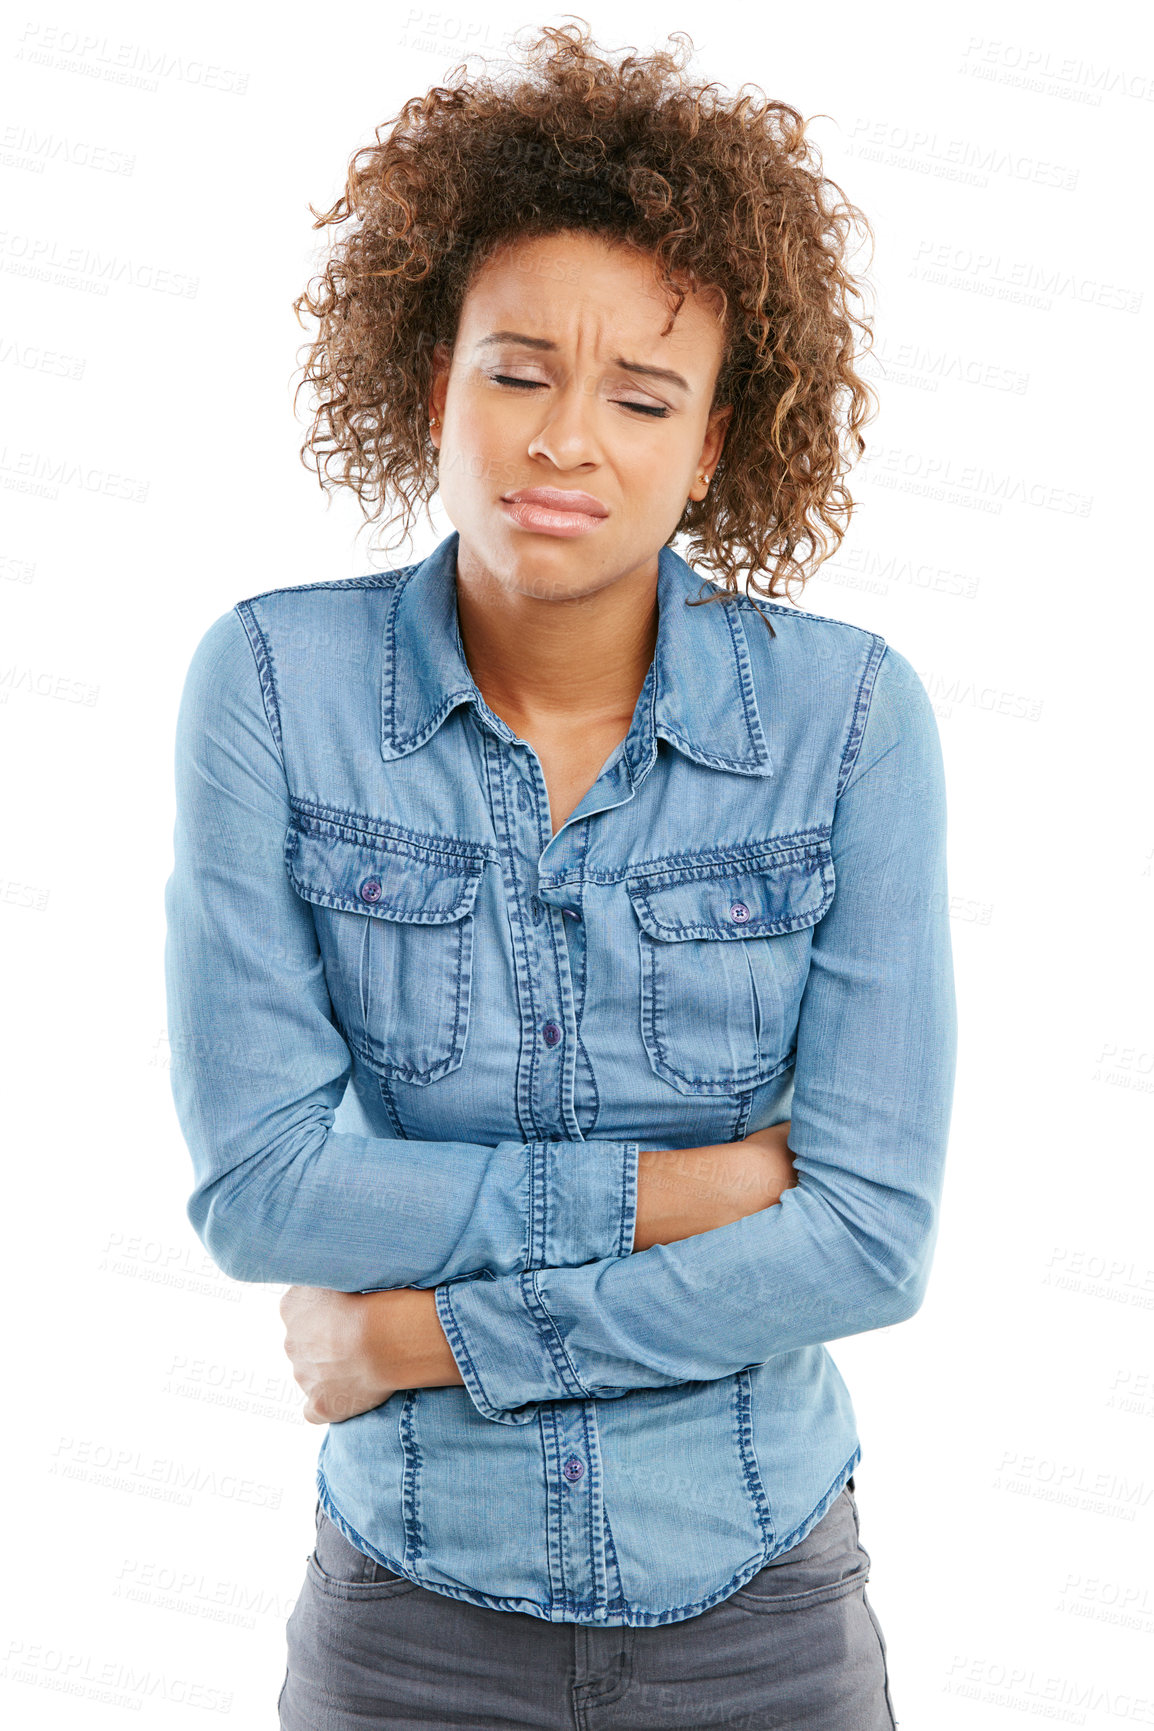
(352, 1351)
(328, 1341)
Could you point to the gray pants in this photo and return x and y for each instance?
(798, 1646)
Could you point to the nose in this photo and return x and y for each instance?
(567, 434)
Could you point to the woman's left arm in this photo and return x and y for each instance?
(849, 1248)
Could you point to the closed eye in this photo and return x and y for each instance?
(539, 384)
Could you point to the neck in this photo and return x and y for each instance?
(540, 663)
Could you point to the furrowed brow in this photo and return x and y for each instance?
(527, 342)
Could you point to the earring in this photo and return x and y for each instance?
(433, 421)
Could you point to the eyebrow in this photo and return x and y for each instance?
(626, 366)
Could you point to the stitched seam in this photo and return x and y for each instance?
(801, 613)
(461, 1351)
(324, 1496)
(795, 841)
(805, 1527)
(617, 1599)
(745, 682)
(382, 910)
(369, 831)
(463, 971)
(803, 842)
(627, 1202)
(538, 1206)
(404, 743)
(519, 922)
(860, 711)
(369, 580)
(593, 1487)
(708, 759)
(740, 934)
(390, 737)
(550, 1336)
(387, 1098)
(411, 1480)
(262, 655)
(743, 1436)
(761, 862)
(640, 894)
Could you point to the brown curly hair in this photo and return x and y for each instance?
(726, 193)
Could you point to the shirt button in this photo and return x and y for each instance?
(573, 1469)
(572, 913)
(371, 890)
(739, 912)
(550, 1033)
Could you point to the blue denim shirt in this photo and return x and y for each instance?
(418, 1040)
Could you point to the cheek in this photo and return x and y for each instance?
(658, 487)
(478, 453)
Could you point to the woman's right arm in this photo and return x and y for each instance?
(259, 1067)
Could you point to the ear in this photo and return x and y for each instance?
(716, 429)
(439, 389)
(710, 451)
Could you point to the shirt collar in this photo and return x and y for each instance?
(698, 692)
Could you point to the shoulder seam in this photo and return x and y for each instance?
(262, 655)
(369, 580)
(861, 708)
(780, 607)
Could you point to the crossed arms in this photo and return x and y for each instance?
(541, 1287)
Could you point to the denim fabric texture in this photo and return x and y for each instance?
(419, 1040)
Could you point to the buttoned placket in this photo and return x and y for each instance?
(542, 876)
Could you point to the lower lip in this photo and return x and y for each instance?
(548, 522)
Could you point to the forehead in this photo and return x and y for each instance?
(554, 286)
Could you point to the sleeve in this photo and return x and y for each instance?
(847, 1249)
(259, 1064)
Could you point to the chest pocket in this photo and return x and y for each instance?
(394, 920)
(724, 956)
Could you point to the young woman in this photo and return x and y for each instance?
(527, 898)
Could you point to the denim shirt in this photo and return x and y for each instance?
(418, 1041)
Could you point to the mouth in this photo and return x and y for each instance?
(555, 510)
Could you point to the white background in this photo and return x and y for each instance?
(160, 1473)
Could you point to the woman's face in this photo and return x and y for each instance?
(547, 387)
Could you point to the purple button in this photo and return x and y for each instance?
(371, 890)
(572, 913)
(550, 1033)
(573, 1469)
(739, 912)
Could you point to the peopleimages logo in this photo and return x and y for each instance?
(131, 64)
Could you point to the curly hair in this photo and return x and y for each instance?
(726, 193)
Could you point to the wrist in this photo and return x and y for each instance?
(406, 1341)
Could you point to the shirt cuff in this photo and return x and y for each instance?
(582, 1208)
(582, 1202)
(504, 1341)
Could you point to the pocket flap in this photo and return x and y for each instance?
(756, 893)
(391, 877)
